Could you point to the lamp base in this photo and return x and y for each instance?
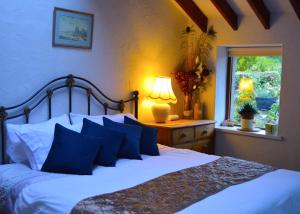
(160, 112)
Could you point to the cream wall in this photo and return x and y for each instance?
(134, 40)
(285, 30)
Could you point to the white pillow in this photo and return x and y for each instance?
(37, 144)
(15, 151)
(78, 118)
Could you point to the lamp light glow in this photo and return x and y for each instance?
(246, 85)
(162, 94)
(162, 91)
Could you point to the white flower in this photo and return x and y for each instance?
(197, 60)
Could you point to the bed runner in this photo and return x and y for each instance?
(175, 191)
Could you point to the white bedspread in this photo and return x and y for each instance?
(275, 192)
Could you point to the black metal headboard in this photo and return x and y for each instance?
(47, 91)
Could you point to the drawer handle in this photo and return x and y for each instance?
(182, 136)
(204, 132)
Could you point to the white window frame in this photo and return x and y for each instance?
(233, 53)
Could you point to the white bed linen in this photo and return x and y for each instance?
(275, 192)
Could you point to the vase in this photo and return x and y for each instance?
(197, 111)
(188, 106)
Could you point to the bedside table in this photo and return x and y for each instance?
(187, 134)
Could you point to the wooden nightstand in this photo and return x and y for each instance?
(188, 134)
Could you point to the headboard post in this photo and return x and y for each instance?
(136, 103)
(105, 105)
(49, 95)
(89, 93)
(27, 111)
(3, 116)
(122, 106)
(70, 83)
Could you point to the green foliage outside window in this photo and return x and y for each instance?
(265, 73)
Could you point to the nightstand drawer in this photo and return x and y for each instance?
(183, 135)
(188, 134)
(200, 146)
(204, 131)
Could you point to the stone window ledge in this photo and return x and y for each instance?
(259, 134)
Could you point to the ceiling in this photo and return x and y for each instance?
(242, 8)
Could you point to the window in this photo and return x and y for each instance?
(254, 76)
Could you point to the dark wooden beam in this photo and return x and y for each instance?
(194, 12)
(261, 11)
(227, 12)
(296, 6)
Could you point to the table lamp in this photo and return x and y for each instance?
(162, 94)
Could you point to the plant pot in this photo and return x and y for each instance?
(264, 104)
(247, 124)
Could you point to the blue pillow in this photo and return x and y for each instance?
(148, 143)
(71, 152)
(130, 147)
(110, 141)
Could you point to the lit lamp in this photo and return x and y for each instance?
(246, 85)
(246, 89)
(162, 94)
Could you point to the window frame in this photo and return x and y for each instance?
(256, 51)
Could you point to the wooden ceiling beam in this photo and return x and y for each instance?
(194, 12)
(261, 11)
(227, 12)
(296, 5)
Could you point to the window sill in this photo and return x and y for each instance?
(260, 134)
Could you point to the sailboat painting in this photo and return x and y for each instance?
(72, 28)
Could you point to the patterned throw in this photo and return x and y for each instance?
(175, 191)
(14, 178)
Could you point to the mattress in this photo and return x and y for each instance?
(274, 192)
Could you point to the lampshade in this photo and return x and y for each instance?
(162, 91)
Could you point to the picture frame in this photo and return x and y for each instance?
(72, 29)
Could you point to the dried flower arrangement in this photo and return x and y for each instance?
(193, 74)
(191, 80)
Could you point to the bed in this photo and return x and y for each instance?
(23, 190)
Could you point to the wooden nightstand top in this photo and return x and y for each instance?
(179, 123)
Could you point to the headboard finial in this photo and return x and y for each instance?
(49, 93)
(89, 91)
(136, 103)
(135, 94)
(70, 80)
(3, 114)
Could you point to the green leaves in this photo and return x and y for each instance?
(258, 63)
(247, 111)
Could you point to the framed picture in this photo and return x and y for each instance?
(72, 28)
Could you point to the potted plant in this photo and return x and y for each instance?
(247, 112)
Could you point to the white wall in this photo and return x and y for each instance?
(285, 30)
(134, 40)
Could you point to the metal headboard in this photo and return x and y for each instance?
(47, 91)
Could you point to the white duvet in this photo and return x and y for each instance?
(275, 192)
